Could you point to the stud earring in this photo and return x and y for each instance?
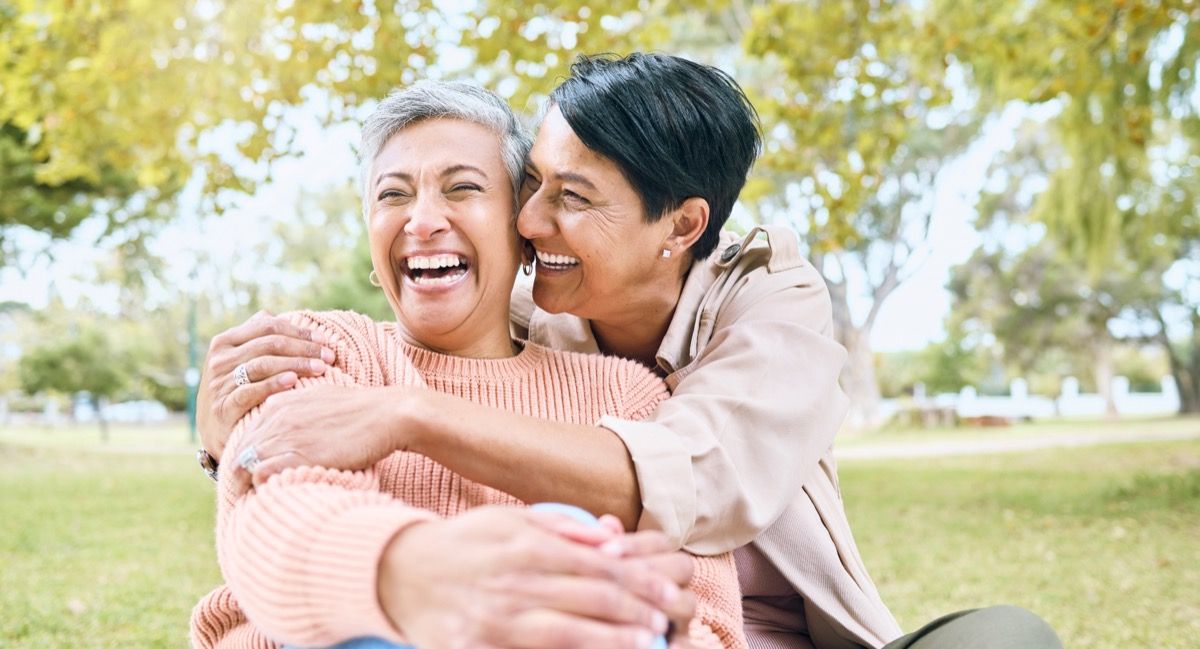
(373, 278)
(666, 253)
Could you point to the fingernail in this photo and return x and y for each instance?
(644, 639)
(317, 337)
(613, 548)
(327, 354)
(659, 622)
(316, 366)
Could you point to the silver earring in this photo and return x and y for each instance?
(373, 278)
(527, 268)
(666, 252)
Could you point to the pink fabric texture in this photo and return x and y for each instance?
(300, 554)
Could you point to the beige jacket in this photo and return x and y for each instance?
(755, 403)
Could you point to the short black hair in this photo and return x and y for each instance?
(676, 128)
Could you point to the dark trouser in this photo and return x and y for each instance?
(995, 627)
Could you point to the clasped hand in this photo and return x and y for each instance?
(510, 577)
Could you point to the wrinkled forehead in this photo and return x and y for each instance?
(438, 144)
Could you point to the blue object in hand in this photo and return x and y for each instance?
(583, 516)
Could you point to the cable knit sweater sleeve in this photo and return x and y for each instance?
(718, 621)
(301, 553)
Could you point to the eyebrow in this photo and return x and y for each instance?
(453, 169)
(569, 176)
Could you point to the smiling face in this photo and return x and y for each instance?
(596, 254)
(441, 235)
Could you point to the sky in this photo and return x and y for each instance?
(910, 319)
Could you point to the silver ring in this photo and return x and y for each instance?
(248, 458)
(240, 375)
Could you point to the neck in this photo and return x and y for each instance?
(638, 332)
(467, 342)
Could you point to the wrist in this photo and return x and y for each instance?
(398, 590)
(411, 419)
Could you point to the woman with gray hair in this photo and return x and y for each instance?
(635, 169)
(318, 556)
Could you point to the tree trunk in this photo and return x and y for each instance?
(99, 405)
(1103, 373)
(1185, 379)
(1190, 386)
(859, 381)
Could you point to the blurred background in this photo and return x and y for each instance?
(1002, 196)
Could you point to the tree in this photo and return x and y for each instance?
(326, 246)
(859, 114)
(860, 118)
(105, 107)
(1122, 75)
(81, 363)
(1038, 300)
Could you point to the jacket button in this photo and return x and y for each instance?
(730, 252)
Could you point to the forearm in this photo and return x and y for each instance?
(533, 459)
(301, 554)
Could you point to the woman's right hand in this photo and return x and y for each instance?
(509, 577)
(276, 354)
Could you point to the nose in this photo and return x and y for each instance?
(536, 218)
(428, 217)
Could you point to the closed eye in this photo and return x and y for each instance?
(531, 180)
(575, 199)
(391, 194)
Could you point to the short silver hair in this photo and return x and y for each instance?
(427, 99)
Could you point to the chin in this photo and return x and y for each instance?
(548, 300)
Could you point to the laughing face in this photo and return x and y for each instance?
(596, 253)
(442, 237)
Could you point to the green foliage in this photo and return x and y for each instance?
(1038, 299)
(846, 87)
(326, 245)
(84, 362)
(1122, 73)
(945, 366)
(1144, 366)
(952, 365)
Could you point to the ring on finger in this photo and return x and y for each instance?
(248, 458)
(240, 375)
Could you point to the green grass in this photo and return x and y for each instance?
(112, 548)
(101, 549)
(1103, 542)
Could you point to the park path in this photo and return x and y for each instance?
(951, 447)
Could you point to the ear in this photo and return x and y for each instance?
(689, 221)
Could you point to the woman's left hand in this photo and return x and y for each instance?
(350, 428)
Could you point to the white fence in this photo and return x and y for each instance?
(1019, 404)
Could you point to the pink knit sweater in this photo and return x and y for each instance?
(300, 554)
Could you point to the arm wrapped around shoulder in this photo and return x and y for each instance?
(301, 552)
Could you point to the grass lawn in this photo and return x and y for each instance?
(1103, 542)
(112, 549)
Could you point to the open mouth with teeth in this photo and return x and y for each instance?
(550, 261)
(435, 270)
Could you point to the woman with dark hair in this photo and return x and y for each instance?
(319, 556)
(635, 169)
